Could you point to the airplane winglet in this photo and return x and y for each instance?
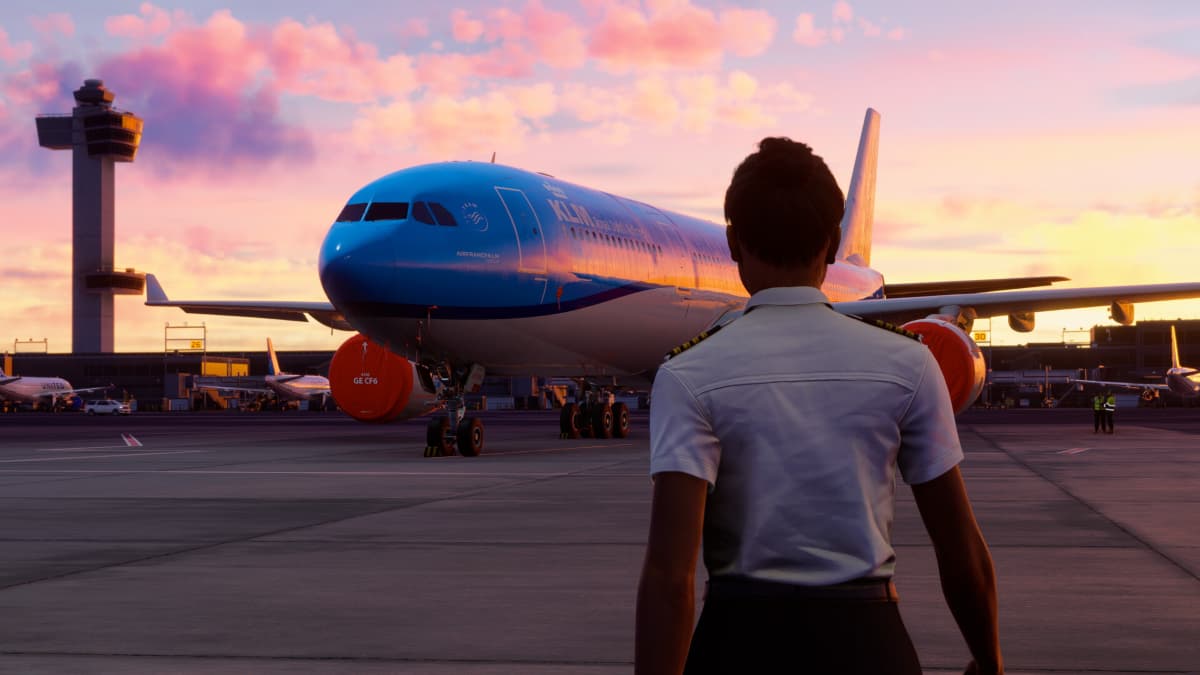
(155, 295)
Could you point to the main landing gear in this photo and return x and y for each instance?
(452, 431)
(594, 416)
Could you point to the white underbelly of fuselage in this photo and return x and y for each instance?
(627, 337)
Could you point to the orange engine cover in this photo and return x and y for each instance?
(958, 356)
(371, 384)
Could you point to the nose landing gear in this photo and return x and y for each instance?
(452, 431)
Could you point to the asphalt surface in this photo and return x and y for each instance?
(308, 543)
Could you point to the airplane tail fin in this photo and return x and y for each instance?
(1174, 349)
(860, 197)
(272, 359)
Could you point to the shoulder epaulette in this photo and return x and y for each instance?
(704, 335)
(888, 327)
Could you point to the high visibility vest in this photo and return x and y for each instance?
(1097, 402)
(1110, 403)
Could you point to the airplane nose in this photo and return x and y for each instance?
(357, 263)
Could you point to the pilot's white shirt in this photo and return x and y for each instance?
(797, 417)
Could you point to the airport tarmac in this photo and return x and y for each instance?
(308, 543)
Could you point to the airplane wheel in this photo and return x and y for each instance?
(438, 441)
(470, 437)
(620, 426)
(602, 421)
(569, 421)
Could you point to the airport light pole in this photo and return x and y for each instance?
(98, 136)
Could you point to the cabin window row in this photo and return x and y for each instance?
(619, 242)
(430, 213)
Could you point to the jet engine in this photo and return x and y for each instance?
(371, 384)
(958, 357)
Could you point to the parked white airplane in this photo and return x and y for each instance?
(1179, 379)
(285, 386)
(447, 268)
(50, 391)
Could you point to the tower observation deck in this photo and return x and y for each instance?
(99, 136)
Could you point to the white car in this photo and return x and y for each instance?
(106, 406)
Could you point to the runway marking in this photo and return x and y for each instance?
(1073, 451)
(542, 451)
(131, 441)
(84, 448)
(435, 474)
(124, 454)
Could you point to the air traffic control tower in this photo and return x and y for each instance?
(98, 136)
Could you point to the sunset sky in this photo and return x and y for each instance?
(1018, 138)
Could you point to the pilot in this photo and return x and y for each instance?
(775, 440)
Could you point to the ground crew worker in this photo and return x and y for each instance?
(1110, 408)
(776, 439)
(1097, 413)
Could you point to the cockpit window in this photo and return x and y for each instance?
(422, 214)
(443, 215)
(351, 213)
(387, 211)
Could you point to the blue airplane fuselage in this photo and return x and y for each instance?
(437, 258)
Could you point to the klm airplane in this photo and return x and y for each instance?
(448, 269)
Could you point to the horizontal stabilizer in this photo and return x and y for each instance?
(965, 286)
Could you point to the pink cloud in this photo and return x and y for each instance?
(747, 32)
(453, 73)
(150, 22)
(807, 33)
(842, 12)
(897, 34)
(557, 40)
(869, 29)
(683, 36)
(414, 28)
(55, 23)
(11, 53)
(315, 59)
(504, 24)
(553, 37)
(441, 125)
(204, 98)
(42, 84)
(464, 28)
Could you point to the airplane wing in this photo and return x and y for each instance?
(1123, 385)
(924, 288)
(323, 312)
(900, 310)
(249, 390)
(85, 390)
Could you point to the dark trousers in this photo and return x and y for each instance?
(1108, 420)
(1097, 419)
(799, 635)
